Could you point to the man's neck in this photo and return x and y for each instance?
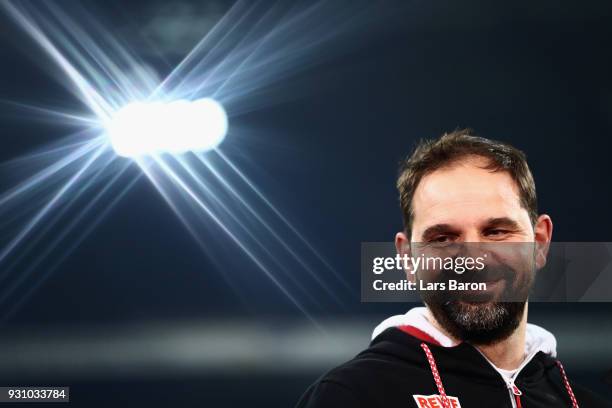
(507, 354)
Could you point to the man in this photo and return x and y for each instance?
(456, 351)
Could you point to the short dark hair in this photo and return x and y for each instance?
(431, 155)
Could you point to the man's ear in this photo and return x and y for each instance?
(542, 237)
(402, 246)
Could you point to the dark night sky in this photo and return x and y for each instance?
(532, 75)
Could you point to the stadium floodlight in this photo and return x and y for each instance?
(128, 110)
(146, 128)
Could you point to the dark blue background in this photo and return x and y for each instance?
(535, 75)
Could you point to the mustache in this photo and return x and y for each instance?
(487, 274)
(515, 287)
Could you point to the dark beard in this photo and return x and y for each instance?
(475, 318)
(484, 323)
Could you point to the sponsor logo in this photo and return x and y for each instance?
(435, 401)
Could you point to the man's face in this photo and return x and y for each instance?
(466, 203)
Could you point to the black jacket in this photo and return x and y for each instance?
(395, 372)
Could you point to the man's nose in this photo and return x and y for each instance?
(472, 236)
(473, 243)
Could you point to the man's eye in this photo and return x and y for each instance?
(440, 239)
(496, 232)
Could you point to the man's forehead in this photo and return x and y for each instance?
(467, 187)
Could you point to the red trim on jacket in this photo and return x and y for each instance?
(419, 334)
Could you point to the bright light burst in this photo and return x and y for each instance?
(142, 128)
(172, 128)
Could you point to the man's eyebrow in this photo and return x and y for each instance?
(501, 222)
(437, 229)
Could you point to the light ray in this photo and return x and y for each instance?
(234, 192)
(232, 18)
(171, 201)
(52, 115)
(73, 198)
(197, 200)
(43, 212)
(225, 208)
(285, 221)
(64, 146)
(33, 181)
(72, 246)
(93, 100)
